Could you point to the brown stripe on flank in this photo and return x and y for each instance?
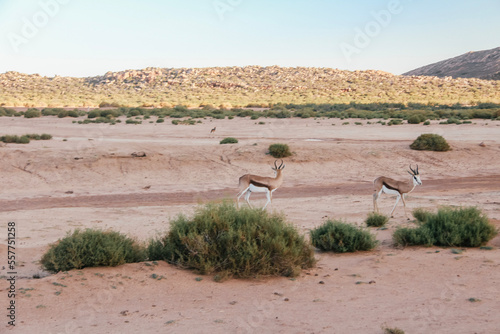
(258, 184)
(389, 187)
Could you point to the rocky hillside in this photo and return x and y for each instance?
(474, 64)
(239, 86)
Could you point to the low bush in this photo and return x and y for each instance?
(25, 139)
(129, 121)
(32, 113)
(45, 136)
(279, 150)
(430, 142)
(341, 237)
(376, 220)
(92, 248)
(94, 114)
(228, 241)
(15, 139)
(463, 227)
(395, 122)
(229, 140)
(414, 119)
(420, 214)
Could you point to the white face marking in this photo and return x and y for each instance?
(416, 180)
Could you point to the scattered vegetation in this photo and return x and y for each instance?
(341, 237)
(24, 139)
(462, 227)
(391, 113)
(376, 220)
(228, 241)
(279, 150)
(430, 142)
(229, 140)
(91, 248)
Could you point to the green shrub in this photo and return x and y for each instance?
(32, 113)
(45, 136)
(128, 121)
(463, 227)
(229, 140)
(51, 111)
(15, 139)
(420, 214)
(341, 237)
(376, 220)
(430, 142)
(427, 122)
(62, 114)
(414, 119)
(160, 120)
(23, 140)
(92, 248)
(94, 114)
(230, 241)
(395, 122)
(33, 136)
(279, 150)
(394, 330)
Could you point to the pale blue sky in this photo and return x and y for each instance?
(91, 37)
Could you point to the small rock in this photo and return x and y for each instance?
(482, 144)
(321, 282)
(124, 313)
(286, 299)
(139, 154)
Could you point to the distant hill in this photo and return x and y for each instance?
(239, 87)
(474, 64)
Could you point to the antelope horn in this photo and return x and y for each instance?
(414, 173)
(281, 164)
(417, 169)
(275, 167)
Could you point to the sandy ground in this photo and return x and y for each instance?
(85, 177)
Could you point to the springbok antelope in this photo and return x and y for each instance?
(213, 130)
(392, 187)
(252, 183)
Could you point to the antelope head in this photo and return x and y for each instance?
(415, 176)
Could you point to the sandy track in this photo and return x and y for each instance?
(466, 184)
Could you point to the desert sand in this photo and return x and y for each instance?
(86, 177)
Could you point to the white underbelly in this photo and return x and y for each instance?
(388, 191)
(255, 189)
